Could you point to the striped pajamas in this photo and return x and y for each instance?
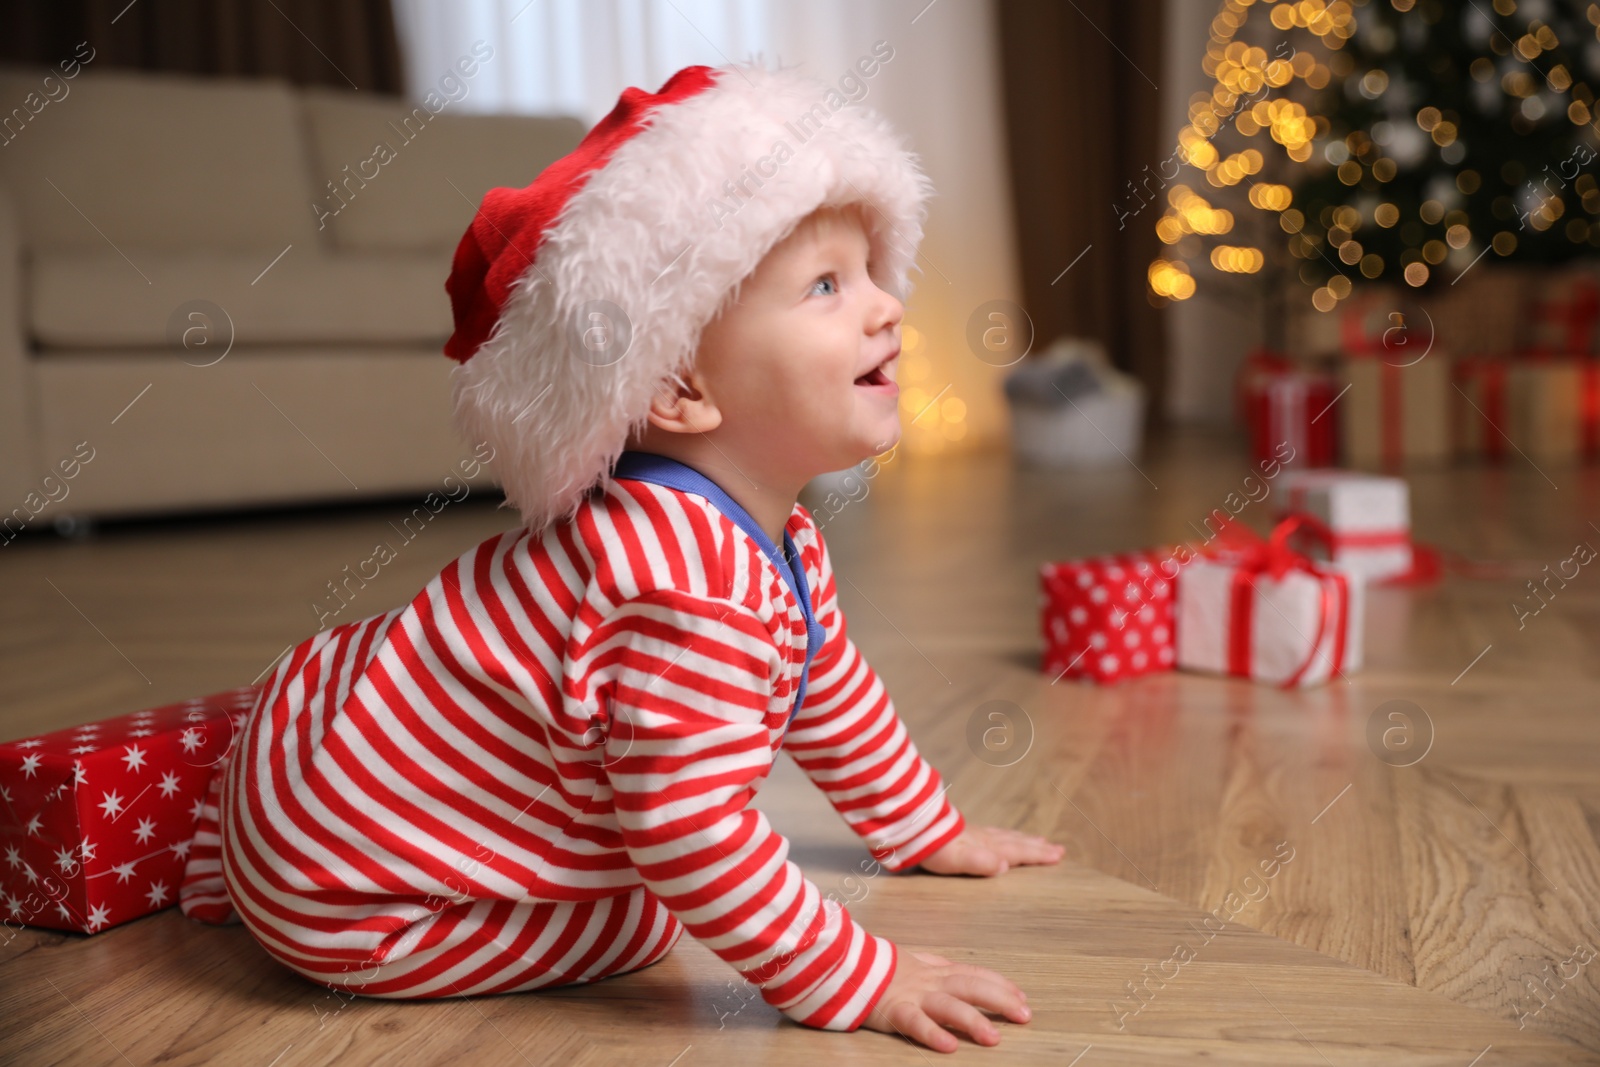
(538, 772)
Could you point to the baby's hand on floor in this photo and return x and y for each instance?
(928, 996)
(990, 850)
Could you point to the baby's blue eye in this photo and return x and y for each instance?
(825, 277)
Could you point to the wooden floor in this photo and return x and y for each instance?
(1418, 910)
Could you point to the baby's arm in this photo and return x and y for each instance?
(690, 679)
(690, 682)
(849, 741)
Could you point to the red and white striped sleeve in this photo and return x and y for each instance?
(690, 679)
(851, 743)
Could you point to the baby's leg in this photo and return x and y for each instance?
(202, 895)
(500, 946)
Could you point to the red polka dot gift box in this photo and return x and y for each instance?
(1110, 617)
(96, 820)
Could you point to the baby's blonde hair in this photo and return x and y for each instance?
(813, 226)
(826, 216)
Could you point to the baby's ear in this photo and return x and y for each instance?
(680, 404)
(670, 393)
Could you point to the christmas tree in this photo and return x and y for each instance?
(1412, 138)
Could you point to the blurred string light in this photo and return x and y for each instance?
(1405, 135)
(931, 417)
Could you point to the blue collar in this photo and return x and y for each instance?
(664, 470)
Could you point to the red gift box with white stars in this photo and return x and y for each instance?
(1108, 618)
(96, 820)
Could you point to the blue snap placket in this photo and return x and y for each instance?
(664, 470)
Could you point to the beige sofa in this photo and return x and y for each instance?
(217, 293)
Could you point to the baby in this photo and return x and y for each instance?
(538, 772)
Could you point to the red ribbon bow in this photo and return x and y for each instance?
(1322, 534)
(1428, 562)
(1251, 555)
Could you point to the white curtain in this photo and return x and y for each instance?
(575, 56)
(941, 90)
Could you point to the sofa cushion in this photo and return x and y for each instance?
(99, 300)
(266, 425)
(414, 178)
(155, 161)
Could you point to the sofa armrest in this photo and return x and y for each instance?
(18, 429)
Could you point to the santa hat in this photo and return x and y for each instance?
(579, 297)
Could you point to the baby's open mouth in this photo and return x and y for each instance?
(877, 377)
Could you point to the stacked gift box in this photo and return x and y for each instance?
(1269, 614)
(1289, 411)
(1480, 414)
(1395, 372)
(1499, 362)
(1558, 409)
(1496, 363)
(96, 821)
(1532, 385)
(1285, 609)
(1361, 522)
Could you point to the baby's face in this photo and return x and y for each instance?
(802, 367)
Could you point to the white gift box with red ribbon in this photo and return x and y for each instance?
(1265, 612)
(1361, 521)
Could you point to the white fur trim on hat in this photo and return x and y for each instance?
(679, 214)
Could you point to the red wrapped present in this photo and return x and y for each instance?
(1285, 405)
(1257, 368)
(96, 820)
(1555, 408)
(1482, 413)
(1295, 410)
(1110, 617)
(1258, 609)
(1562, 311)
(1544, 407)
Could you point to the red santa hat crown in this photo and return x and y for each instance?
(578, 297)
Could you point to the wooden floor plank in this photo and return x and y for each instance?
(194, 995)
(1504, 883)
